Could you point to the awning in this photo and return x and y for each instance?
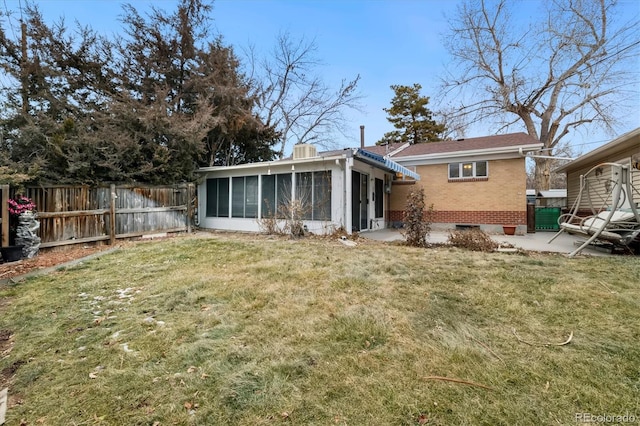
(386, 163)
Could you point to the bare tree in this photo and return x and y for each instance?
(455, 125)
(563, 72)
(296, 102)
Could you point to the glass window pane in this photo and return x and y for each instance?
(237, 197)
(454, 170)
(481, 168)
(251, 197)
(223, 197)
(322, 195)
(212, 197)
(283, 193)
(467, 169)
(304, 193)
(268, 195)
(379, 198)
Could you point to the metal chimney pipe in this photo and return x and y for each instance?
(362, 136)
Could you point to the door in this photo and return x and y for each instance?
(359, 201)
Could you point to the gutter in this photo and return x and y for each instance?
(469, 153)
(531, 155)
(273, 163)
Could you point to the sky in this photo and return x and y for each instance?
(384, 41)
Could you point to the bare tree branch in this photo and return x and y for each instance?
(293, 100)
(562, 72)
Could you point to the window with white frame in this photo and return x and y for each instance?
(468, 170)
(244, 196)
(313, 190)
(217, 197)
(276, 193)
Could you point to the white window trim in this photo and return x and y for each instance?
(460, 170)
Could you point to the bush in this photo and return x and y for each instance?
(288, 221)
(472, 239)
(417, 221)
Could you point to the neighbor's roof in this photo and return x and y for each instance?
(606, 152)
(388, 149)
(511, 140)
(553, 193)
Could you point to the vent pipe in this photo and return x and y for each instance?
(362, 136)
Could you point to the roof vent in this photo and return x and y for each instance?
(304, 150)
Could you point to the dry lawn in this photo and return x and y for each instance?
(240, 330)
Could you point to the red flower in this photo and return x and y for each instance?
(20, 205)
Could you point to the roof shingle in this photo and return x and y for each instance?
(469, 144)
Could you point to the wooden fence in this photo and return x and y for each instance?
(82, 214)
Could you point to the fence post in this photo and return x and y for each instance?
(5, 214)
(112, 215)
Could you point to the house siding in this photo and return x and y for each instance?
(597, 185)
(340, 200)
(499, 199)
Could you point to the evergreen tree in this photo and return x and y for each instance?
(411, 117)
(144, 107)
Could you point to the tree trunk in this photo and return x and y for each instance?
(542, 177)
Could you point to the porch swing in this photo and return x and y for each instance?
(616, 218)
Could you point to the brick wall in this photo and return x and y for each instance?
(498, 199)
(475, 217)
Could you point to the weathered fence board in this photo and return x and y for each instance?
(81, 214)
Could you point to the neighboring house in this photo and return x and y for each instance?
(335, 189)
(473, 181)
(622, 150)
(552, 198)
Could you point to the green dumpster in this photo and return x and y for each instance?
(547, 218)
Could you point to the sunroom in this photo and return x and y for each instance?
(346, 189)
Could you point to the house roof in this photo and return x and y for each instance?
(365, 156)
(389, 149)
(511, 140)
(605, 152)
(553, 193)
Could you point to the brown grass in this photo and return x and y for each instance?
(246, 329)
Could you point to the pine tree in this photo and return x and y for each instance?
(411, 117)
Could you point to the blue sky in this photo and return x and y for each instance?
(384, 41)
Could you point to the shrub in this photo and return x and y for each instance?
(472, 239)
(417, 221)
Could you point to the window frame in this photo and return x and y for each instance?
(281, 192)
(461, 170)
(244, 188)
(309, 187)
(219, 195)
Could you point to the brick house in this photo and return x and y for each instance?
(474, 181)
(479, 181)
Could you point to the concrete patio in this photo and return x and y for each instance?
(565, 243)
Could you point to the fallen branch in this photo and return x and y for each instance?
(464, 382)
(566, 342)
(605, 286)
(486, 347)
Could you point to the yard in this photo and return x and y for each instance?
(232, 329)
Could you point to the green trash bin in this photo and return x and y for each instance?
(547, 218)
